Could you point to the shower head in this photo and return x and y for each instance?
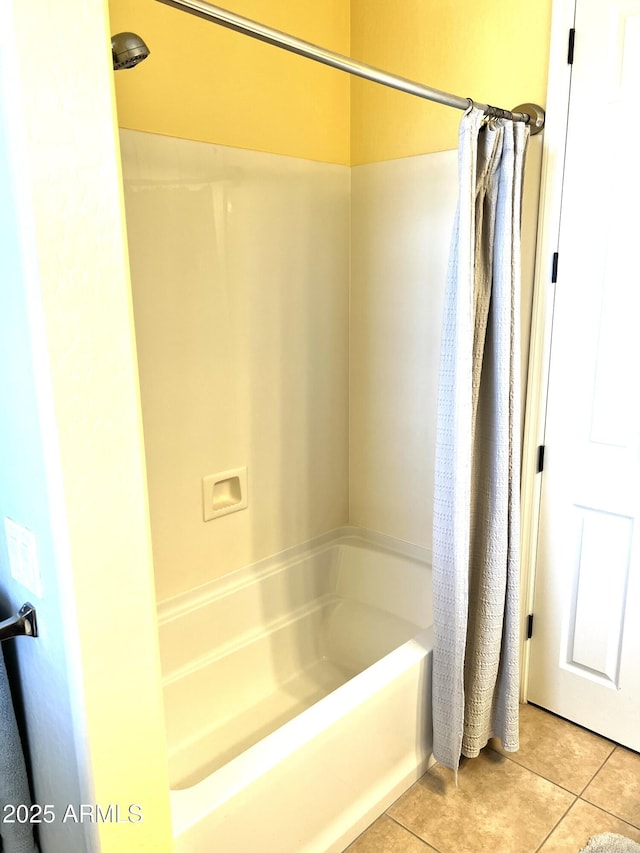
(128, 50)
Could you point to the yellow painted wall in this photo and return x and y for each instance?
(207, 83)
(83, 301)
(495, 51)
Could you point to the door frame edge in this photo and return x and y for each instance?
(549, 210)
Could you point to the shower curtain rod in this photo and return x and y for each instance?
(530, 113)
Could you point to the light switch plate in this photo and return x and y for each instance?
(23, 556)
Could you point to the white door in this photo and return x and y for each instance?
(585, 652)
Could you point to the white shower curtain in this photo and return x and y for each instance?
(477, 475)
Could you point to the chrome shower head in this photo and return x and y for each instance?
(128, 50)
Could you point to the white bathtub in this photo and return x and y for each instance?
(298, 695)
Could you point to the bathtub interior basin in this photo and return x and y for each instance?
(262, 659)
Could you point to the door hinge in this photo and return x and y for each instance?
(554, 268)
(540, 462)
(529, 626)
(572, 42)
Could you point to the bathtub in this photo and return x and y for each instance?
(298, 695)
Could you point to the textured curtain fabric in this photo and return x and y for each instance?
(477, 471)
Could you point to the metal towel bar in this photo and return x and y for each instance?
(24, 624)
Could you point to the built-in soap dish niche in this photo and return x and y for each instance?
(224, 493)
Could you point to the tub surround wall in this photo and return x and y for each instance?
(402, 212)
(288, 320)
(240, 272)
(402, 218)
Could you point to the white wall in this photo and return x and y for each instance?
(240, 276)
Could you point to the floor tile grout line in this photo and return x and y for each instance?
(558, 822)
(602, 766)
(575, 797)
(411, 832)
(552, 781)
(611, 814)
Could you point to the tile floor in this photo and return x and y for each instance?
(564, 785)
